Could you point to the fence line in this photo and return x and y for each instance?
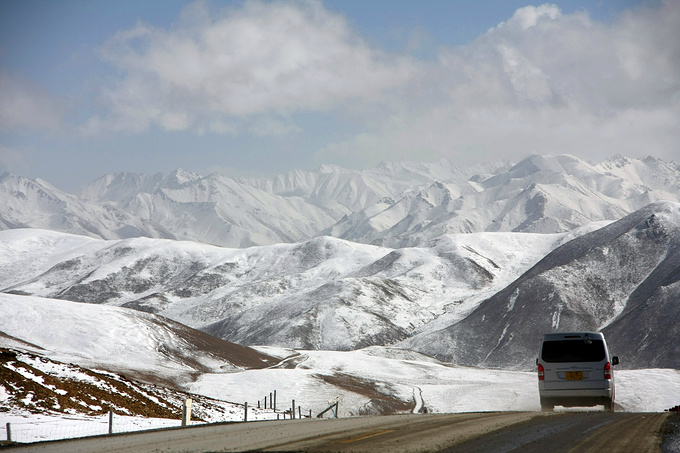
(70, 427)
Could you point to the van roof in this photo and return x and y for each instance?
(571, 335)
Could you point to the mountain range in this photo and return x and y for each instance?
(400, 204)
(469, 265)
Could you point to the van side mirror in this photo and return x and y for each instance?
(615, 360)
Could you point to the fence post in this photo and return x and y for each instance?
(186, 412)
(274, 399)
(299, 413)
(245, 412)
(9, 432)
(110, 422)
(292, 411)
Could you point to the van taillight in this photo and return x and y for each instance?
(541, 372)
(608, 371)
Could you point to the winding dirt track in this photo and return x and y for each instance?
(451, 433)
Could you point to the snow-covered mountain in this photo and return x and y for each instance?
(141, 345)
(26, 203)
(395, 204)
(623, 279)
(324, 293)
(541, 194)
(214, 209)
(358, 189)
(481, 299)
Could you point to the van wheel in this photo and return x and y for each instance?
(547, 405)
(609, 406)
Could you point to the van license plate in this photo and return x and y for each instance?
(574, 375)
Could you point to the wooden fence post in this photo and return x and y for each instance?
(292, 411)
(110, 422)
(9, 432)
(245, 412)
(186, 412)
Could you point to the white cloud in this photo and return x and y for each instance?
(25, 105)
(546, 82)
(542, 81)
(272, 58)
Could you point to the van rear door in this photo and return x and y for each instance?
(573, 363)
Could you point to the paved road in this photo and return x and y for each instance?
(483, 432)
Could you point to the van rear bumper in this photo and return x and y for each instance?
(581, 397)
(605, 393)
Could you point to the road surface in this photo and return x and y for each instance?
(451, 433)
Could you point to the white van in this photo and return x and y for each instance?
(575, 369)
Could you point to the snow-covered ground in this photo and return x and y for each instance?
(361, 382)
(439, 387)
(424, 382)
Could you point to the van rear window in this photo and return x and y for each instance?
(562, 351)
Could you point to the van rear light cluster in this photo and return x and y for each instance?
(608, 371)
(541, 372)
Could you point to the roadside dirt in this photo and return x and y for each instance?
(98, 395)
(70, 389)
(380, 402)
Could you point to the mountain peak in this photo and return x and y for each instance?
(181, 177)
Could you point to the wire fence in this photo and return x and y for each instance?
(56, 428)
(38, 428)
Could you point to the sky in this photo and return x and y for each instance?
(262, 87)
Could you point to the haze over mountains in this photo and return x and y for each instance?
(467, 265)
(395, 204)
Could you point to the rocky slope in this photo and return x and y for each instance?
(622, 279)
